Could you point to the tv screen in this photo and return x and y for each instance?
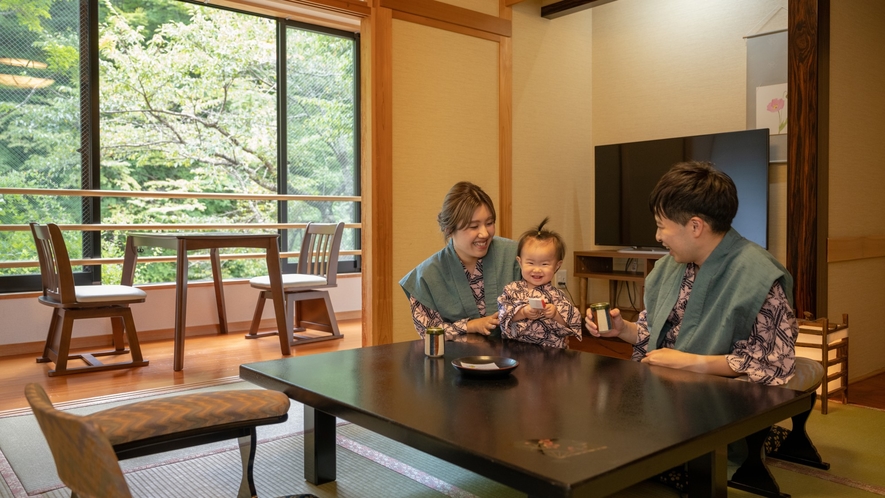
(626, 174)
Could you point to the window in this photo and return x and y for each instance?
(186, 99)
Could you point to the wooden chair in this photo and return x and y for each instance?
(307, 300)
(87, 449)
(71, 302)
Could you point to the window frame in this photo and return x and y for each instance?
(90, 141)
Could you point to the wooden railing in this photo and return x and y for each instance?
(140, 227)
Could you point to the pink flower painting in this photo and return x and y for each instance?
(777, 105)
(771, 108)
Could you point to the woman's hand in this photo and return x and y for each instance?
(618, 324)
(483, 325)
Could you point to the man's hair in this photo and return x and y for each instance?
(459, 205)
(542, 235)
(695, 188)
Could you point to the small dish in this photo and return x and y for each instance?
(485, 366)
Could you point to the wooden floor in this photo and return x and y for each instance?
(205, 358)
(218, 356)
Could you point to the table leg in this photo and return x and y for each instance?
(319, 446)
(708, 474)
(180, 305)
(613, 293)
(219, 289)
(583, 283)
(276, 289)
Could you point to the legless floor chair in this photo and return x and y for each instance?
(71, 302)
(753, 475)
(87, 449)
(307, 297)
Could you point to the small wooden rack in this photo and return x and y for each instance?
(830, 348)
(602, 265)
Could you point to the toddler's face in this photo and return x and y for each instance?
(538, 262)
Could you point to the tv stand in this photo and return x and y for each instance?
(600, 264)
(643, 250)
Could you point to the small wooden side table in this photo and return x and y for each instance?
(184, 242)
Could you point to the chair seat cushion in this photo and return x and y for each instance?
(291, 281)
(102, 293)
(188, 412)
(807, 375)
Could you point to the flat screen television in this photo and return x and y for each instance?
(626, 174)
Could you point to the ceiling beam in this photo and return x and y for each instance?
(565, 7)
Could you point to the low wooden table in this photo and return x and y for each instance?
(564, 423)
(184, 242)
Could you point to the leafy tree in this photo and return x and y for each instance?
(188, 103)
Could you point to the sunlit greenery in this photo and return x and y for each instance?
(188, 103)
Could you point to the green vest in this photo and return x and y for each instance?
(727, 295)
(440, 283)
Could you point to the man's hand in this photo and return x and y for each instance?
(483, 325)
(707, 364)
(618, 324)
(666, 357)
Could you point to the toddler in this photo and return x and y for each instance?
(532, 309)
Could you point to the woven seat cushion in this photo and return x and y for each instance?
(291, 281)
(103, 293)
(159, 417)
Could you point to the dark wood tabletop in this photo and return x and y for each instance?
(564, 423)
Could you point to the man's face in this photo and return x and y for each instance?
(678, 239)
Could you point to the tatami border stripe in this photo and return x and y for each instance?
(403, 469)
(826, 476)
(12, 481)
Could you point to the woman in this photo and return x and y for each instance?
(457, 288)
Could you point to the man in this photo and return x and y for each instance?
(718, 303)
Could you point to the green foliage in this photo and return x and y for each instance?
(28, 13)
(188, 103)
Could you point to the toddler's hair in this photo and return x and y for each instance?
(543, 235)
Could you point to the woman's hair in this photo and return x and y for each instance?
(459, 205)
(695, 188)
(541, 234)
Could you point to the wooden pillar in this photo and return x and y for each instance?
(807, 152)
(378, 265)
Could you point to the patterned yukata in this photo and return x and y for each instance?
(424, 317)
(543, 331)
(768, 355)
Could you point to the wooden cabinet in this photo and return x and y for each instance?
(602, 265)
(610, 266)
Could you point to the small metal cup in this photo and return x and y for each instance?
(602, 316)
(434, 342)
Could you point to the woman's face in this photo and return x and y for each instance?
(472, 242)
